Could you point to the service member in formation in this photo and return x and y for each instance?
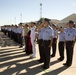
(25, 30)
(47, 43)
(32, 36)
(20, 38)
(61, 43)
(54, 44)
(70, 37)
(40, 30)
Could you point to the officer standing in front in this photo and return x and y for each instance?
(47, 42)
(70, 37)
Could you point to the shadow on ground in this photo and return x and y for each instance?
(13, 61)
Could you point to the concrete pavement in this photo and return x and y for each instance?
(13, 61)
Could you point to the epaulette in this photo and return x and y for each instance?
(50, 27)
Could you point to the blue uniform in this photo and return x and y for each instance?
(70, 34)
(55, 33)
(47, 34)
(62, 36)
(61, 45)
(40, 33)
(40, 41)
(19, 30)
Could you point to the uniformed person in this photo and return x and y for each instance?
(25, 30)
(61, 43)
(40, 31)
(70, 37)
(5, 30)
(47, 42)
(32, 35)
(12, 35)
(15, 34)
(55, 36)
(20, 38)
(9, 31)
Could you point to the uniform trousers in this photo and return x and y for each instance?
(20, 39)
(11, 35)
(61, 49)
(8, 33)
(69, 52)
(25, 39)
(46, 53)
(25, 42)
(33, 47)
(40, 41)
(16, 38)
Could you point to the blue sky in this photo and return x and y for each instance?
(30, 10)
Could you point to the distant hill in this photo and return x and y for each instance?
(65, 20)
(70, 17)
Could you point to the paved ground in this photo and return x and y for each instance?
(13, 61)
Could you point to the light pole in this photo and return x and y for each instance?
(40, 10)
(21, 18)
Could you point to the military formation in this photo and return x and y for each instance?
(46, 35)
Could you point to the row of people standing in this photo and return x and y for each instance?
(47, 38)
(13, 32)
(20, 34)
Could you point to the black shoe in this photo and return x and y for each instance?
(31, 57)
(20, 46)
(45, 67)
(60, 59)
(67, 65)
(52, 55)
(64, 64)
(40, 61)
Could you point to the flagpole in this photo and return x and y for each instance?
(40, 10)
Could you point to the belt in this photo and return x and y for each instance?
(46, 40)
(40, 39)
(61, 41)
(70, 41)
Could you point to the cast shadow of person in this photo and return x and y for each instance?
(56, 71)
